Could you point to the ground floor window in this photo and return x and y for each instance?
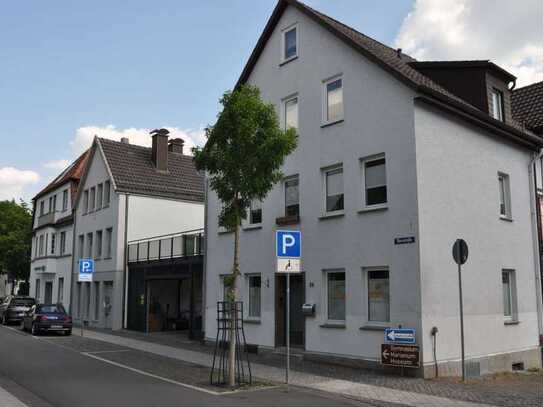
(60, 293)
(378, 295)
(509, 294)
(336, 295)
(37, 294)
(254, 295)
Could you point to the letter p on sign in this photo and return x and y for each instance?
(289, 243)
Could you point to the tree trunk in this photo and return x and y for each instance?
(233, 298)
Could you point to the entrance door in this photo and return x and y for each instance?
(297, 320)
(108, 303)
(48, 298)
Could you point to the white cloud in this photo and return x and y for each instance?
(57, 164)
(85, 135)
(13, 182)
(509, 34)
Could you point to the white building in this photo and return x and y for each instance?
(388, 148)
(51, 257)
(128, 193)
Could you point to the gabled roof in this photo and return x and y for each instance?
(134, 172)
(72, 173)
(396, 63)
(527, 106)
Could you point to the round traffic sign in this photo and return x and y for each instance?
(460, 251)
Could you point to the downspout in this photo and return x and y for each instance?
(535, 239)
(125, 263)
(74, 211)
(204, 274)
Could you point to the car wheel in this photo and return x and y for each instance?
(34, 330)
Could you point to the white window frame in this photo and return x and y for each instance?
(248, 291)
(363, 162)
(325, 296)
(284, 103)
(325, 120)
(62, 242)
(106, 193)
(85, 201)
(288, 179)
(249, 217)
(505, 180)
(284, 32)
(365, 294)
(98, 246)
(512, 296)
(324, 172)
(99, 196)
(65, 197)
(109, 243)
(497, 108)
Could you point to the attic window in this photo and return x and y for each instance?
(289, 50)
(497, 105)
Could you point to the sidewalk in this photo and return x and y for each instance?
(421, 393)
(8, 400)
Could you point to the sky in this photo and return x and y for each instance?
(71, 70)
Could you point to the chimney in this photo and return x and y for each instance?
(176, 145)
(125, 140)
(159, 154)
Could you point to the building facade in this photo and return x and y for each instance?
(128, 193)
(395, 160)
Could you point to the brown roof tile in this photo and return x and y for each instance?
(527, 105)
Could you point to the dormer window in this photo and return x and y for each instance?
(289, 50)
(497, 105)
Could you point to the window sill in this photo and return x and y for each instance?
(328, 124)
(333, 325)
(286, 61)
(375, 208)
(373, 327)
(506, 218)
(252, 321)
(511, 322)
(252, 227)
(287, 220)
(331, 215)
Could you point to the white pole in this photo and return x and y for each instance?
(288, 327)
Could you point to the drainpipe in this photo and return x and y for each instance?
(125, 265)
(535, 238)
(74, 261)
(204, 274)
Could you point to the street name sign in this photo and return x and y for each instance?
(404, 240)
(400, 355)
(288, 251)
(400, 335)
(86, 268)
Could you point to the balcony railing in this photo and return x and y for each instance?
(176, 245)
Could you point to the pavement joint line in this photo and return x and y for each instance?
(107, 351)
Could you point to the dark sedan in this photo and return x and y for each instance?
(14, 307)
(47, 318)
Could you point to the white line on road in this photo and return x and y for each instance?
(107, 351)
(9, 400)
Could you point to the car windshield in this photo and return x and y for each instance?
(22, 302)
(50, 309)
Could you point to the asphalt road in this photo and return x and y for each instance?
(44, 373)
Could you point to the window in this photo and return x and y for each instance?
(86, 201)
(42, 208)
(378, 295)
(505, 196)
(46, 242)
(290, 44)
(81, 245)
(291, 113)
(41, 245)
(99, 196)
(107, 193)
(375, 181)
(292, 196)
(254, 295)
(37, 293)
(89, 245)
(333, 183)
(53, 242)
(497, 105)
(65, 200)
(99, 244)
(109, 233)
(509, 295)
(92, 199)
(97, 300)
(60, 294)
(333, 100)
(54, 203)
(336, 295)
(255, 212)
(62, 242)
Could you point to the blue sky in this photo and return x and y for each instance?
(75, 66)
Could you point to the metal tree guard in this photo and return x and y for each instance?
(219, 369)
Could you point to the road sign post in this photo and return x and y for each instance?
(460, 256)
(288, 244)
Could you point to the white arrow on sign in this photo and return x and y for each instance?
(393, 335)
(385, 353)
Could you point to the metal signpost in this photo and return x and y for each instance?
(288, 245)
(460, 256)
(86, 269)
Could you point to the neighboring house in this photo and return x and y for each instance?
(51, 257)
(390, 151)
(127, 193)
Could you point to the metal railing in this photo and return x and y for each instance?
(175, 245)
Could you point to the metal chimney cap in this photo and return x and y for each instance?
(160, 132)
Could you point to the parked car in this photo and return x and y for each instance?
(14, 307)
(47, 318)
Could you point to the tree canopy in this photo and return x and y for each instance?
(15, 239)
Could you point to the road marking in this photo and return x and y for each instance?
(9, 400)
(108, 351)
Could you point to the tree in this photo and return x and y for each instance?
(243, 156)
(15, 239)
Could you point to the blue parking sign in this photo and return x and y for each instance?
(288, 244)
(86, 268)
